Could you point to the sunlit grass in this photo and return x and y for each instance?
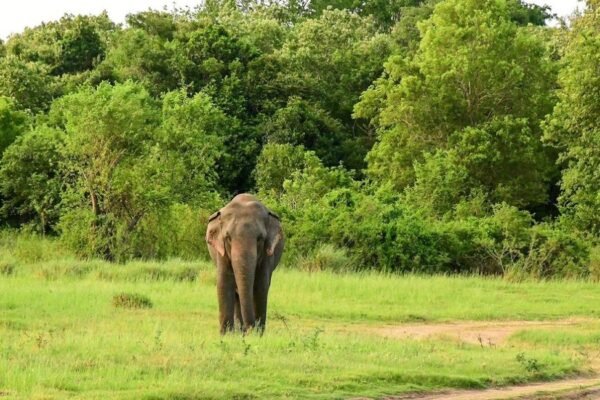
(62, 337)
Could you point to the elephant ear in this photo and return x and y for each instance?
(213, 233)
(274, 233)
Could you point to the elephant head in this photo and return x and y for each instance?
(245, 241)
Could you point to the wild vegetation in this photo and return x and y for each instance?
(148, 330)
(406, 135)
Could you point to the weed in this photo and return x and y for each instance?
(312, 341)
(282, 318)
(131, 300)
(326, 257)
(246, 347)
(531, 365)
(187, 274)
(7, 268)
(157, 338)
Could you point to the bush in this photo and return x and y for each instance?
(7, 268)
(131, 300)
(554, 253)
(326, 258)
(25, 248)
(594, 266)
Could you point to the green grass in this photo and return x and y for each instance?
(62, 337)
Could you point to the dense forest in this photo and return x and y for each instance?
(404, 135)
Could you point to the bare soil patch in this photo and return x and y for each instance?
(570, 389)
(488, 333)
(493, 333)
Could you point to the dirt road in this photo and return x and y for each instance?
(495, 333)
(485, 333)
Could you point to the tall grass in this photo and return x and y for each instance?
(62, 334)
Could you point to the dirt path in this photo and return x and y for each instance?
(489, 333)
(572, 389)
(494, 333)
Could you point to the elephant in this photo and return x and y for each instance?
(245, 241)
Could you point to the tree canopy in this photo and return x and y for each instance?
(430, 135)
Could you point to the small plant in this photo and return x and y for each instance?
(187, 274)
(531, 365)
(158, 338)
(246, 347)
(594, 266)
(326, 257)
(312, 341)
(131, 300)
(7, 268)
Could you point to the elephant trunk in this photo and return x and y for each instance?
(243, 262)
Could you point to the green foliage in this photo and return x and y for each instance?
(595, 263)
(144, 58)
(30, 181)
(474, 67)
(303, 124)
(400, 135)
(278, 162)
(326, 258)
(12, 122)
(552, 253)
(27, 83)
(329, 61)
(573, 126)
(193, 130)
(71, 45)
(113, 164)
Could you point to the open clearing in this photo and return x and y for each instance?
(580, 388)
(329, 336)
(497, 333)
(474, 332)
(493, 334)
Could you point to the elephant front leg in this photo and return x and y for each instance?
(226, 296)
(239, 322)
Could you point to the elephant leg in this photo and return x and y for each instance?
(244, 281)
(261, 293)
(238, 313)
(226, 296)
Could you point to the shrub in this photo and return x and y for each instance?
(554, 253)
(7, 268)
(594, 266)
(326, 258)
(25, 248)
(131, 300)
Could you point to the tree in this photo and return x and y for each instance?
(385, 12)
(30, 179)
(276, 163)
(27, 83)
(70, 45)
(156, 23)
(13, 122)
(474, 67)
(193, 130)
(142, 57)
(573, 127)
(112, 165)
(329, 62)
(301, 123)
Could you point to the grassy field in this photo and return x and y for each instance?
(61, 336)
